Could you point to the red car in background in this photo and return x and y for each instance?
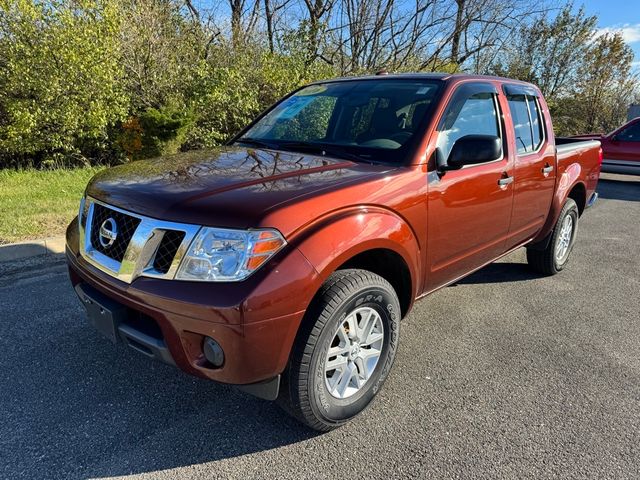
(621, 148)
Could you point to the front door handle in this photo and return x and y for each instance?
(505, 180)
(547, 170)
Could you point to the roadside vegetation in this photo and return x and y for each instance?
(107, 81)
(38, 204)
(100, 82)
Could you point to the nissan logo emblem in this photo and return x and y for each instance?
(108, 232)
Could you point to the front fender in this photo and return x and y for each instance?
(332, 241)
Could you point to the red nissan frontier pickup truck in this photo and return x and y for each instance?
(284, 261)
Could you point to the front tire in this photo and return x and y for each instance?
(555, 256)
(344, 350)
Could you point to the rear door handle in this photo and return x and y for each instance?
(504, 181)
(547, 169)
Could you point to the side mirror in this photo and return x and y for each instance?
(472, 149)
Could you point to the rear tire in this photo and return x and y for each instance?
(344, 350)
(556, 255)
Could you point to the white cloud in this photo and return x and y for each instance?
(630, 32)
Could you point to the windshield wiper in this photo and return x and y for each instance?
(322, 149)
(255, 143)
(304, 147)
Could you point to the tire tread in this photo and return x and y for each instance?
(294, 395)
(543, 261)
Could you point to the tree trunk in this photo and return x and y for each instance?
(268, 13)
(457, 32)
(236, 21)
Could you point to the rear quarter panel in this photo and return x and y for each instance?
(578, 168)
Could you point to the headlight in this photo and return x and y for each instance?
(224, 255)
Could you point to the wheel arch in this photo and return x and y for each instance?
(378, 241)
(578, 194)
(390, 266)
(570, 184)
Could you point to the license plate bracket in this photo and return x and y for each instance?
(102, 312)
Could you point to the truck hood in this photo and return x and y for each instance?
(228, 187)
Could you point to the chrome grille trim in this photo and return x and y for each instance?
(141, 251)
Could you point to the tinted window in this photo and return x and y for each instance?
(366, 118)
(527, 122)
(630, 134)
(471, 115)
(536, 119)
(305, 119)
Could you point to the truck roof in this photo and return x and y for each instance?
(422, 76)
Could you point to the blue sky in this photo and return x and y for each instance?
(618, 15)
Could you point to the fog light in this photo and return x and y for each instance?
(213, 352)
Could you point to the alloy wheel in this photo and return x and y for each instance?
(354, 352)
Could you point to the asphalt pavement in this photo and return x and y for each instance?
(505, 375)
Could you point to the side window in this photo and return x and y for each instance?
(527, 122)
(630, 134)
(471, 115)
(536, 122)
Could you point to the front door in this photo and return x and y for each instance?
(469, 210)
(624, 146)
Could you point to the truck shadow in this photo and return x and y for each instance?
(501, 272)
(94, 409)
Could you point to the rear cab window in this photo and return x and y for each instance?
(527, 119)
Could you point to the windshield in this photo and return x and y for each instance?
(364, 119)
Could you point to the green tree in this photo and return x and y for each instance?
(60, 78)
(162, 52)
(604, 89)
(550, 51)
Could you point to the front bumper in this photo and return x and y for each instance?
(121, 324)
(255, 321)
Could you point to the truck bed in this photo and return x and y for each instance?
(566, 146)
(583, 158)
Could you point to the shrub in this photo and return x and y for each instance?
(59, 79)
(155, 132)
(235, 86)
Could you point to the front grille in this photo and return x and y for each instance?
(137, 236)
(167, 250)
(126, 226)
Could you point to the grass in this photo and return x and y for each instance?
(39, 203)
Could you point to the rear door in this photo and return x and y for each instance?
(535, 163)
(469, 210)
